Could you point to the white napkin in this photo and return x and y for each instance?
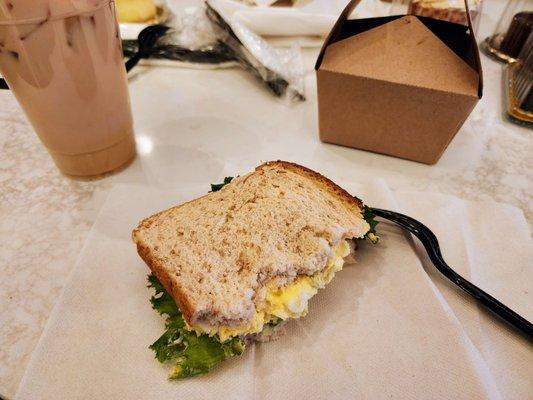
(490, 244)
(384, 328)
(307, 21)
(310, 18)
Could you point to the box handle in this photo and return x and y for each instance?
(354, 3)
(335, 30)
(476, 53)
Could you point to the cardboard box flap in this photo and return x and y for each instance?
(398, 85)
(333, 35)
(458, 38)
(403, 51)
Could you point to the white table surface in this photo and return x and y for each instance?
(195, 126)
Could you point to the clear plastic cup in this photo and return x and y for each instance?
(63, 61)
(511, 32)
(518, 76)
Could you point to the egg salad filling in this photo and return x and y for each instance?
(289, 301)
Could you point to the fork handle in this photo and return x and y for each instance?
(431, 244)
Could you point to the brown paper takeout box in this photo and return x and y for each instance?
(398, 85)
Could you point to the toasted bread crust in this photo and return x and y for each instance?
(158, 267)
(320, 179)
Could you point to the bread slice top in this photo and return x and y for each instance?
(215, 253)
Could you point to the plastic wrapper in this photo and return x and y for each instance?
(203, 38)
(281, 70)
(193, 29)
(518, 86)
(511, 32)
(190, 42)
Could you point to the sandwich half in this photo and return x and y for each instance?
(238, 261)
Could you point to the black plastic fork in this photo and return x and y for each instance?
(431, 244)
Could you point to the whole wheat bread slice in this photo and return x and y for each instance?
(215, 254)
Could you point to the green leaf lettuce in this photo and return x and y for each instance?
(189, 353)
(215, 187)
(370, 218)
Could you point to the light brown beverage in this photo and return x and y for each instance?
(63, 61)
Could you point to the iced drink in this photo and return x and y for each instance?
(63, 61)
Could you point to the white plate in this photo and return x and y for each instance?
(131, 30)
